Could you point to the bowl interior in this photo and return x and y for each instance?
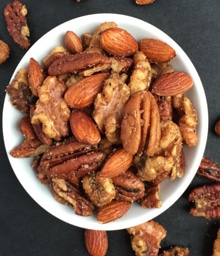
(170, 191)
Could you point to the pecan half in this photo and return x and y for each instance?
(209, 169)
(66, 193)
(70, 160)
(15, 17)
(206, 201)
(76, 62)
(128, 186)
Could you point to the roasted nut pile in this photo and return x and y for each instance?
(106, 120)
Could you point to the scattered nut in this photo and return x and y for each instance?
(15, 17)
(96, 242)
(4, 51)
(217, 127)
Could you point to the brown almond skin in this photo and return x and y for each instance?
(172, 83)
(118, 41)
(82, 93)
(112, 211)
(83, 128)
(156, 50)
(117, 163)
(96, 242)
(73, 42)
(35, 76)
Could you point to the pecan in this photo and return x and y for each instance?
(66, 193)
(206, 201)
(209, 169)
(75, 62)
(128, 186)
(146, 238)
(140, 126)
(70, 160)
(31, 146)
(15, 17)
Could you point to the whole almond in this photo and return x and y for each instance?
(118, 41)
(96, 242)
(112, 211)
(156, 50)
(143, 2)
(82, 93)
(73, 42)
(172, 83)
(117, 163)
(83, 128)
(35, 76)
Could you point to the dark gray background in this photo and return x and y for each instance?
(26, 228)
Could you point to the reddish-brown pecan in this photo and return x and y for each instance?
(15, 17)
(31, 146)
(128, 186)
(206, 201)
(69, 160)
(209, 169)
(76, 62)
(66, 193)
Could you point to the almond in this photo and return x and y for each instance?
(156, 50)
(117, 163)
(118, 41)
(35, 76)
(143, 2)
(83, 128)
(112, 211)
(82, 93)
(172, 83)
(73, 42)
(96, 242)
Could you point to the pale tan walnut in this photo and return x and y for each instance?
(187, 119)
(51, 109)
(99, 190)
(216, 245)
(108, 106)
(4, 51)
(177, 251)
(146, 238)
(140, 78)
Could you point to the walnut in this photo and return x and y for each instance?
(20, 93)
(51, 109)
(4, 51)
(100, 190)
(15, 17)
(108, 106)
(216, 245)
(146, 238)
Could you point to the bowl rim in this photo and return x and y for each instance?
(124, 222)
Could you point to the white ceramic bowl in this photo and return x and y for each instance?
(170, 191)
